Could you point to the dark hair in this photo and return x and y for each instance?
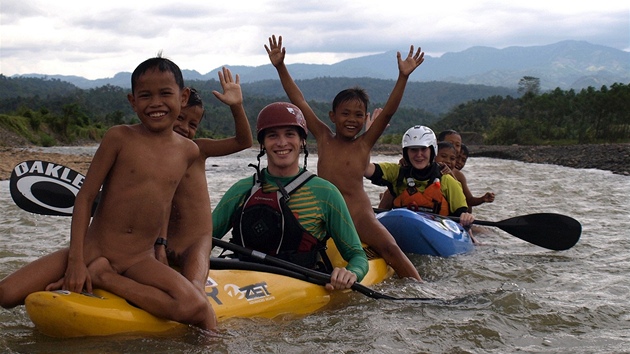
(446, 145)
(443, 134)
(161, 64)
(194, 99)
(355, 93)
(464, 150)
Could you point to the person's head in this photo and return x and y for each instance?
(160, 64)
(281, 131)
(190, 116)
(158, 93)
(349, 111)
(419, 146)
(462, 157)
(447, 154)
(452, 137)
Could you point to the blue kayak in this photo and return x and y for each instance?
(424, 233)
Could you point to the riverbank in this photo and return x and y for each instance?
(11, 156)
(610, 157)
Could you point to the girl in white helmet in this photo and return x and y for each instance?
(420, 185)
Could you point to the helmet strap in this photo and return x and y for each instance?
(259, 175)
(305, 153)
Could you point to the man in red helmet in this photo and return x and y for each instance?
(285, 210)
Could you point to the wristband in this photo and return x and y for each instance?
(160, 241)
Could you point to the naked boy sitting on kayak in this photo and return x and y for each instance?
(190, 226)
(139, 168)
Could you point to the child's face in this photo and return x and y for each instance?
(447, 156)
(461, 161)
(456, 140)
(419, 157)
(188, 121)
(349, 118)
(157, 99)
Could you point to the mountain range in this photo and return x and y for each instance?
(565, 65)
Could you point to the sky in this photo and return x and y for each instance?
(97, 39)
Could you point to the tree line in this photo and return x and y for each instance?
(50, 112)
(555, 117)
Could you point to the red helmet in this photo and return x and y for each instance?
(280, 114)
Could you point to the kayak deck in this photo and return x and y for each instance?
(426, 234)
(234, 288)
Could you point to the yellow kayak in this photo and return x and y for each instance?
(238, 289)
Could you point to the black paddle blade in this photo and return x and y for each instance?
(46, 188)
(552, 231)
(43, 187)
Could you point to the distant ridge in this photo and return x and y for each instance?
(567, 65)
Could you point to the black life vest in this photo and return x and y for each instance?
(266, 224)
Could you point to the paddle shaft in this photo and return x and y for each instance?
(319, 277)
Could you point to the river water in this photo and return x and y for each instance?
(511, 296)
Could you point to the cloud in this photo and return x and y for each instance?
(99, 39)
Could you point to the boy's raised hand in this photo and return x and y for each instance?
(369, 119)
(232, 94)
(412, 61)
(275, 50)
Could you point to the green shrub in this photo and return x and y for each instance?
(46, 140)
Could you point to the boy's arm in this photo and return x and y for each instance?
(77, 276)
(369, 170)
(233, 97)
(276, 55)
(161, 242)
(470, 199)
(405, 68)
(459, 176)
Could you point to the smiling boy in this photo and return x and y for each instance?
(139, 168)
(344, 154)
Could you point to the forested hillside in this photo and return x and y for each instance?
(556, 117)
(54, 112)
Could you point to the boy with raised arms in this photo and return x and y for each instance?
(344, 154)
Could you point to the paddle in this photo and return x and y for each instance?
(47, 188)
(552, 231)
(50, 189)
(318, 277)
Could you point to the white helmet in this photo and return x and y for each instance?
(419, 136)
